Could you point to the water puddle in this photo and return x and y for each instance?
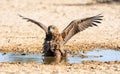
(96, 55)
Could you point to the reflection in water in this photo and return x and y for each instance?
(11, 57)
(53, 60)
(96, 55)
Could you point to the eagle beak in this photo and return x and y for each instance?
(51, 30)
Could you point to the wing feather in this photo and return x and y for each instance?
(35, 22)
(79, 25)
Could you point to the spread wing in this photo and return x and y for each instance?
(79, 25)
(37, 23)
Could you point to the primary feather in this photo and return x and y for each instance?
(38, 23)
(79, 25)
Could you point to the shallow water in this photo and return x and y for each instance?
(96, 55)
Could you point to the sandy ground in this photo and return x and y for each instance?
(83, 68)
(17, 35)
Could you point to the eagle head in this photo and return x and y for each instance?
(53, 29)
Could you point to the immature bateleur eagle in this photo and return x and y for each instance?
(54, 42)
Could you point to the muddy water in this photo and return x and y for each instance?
(96, 55)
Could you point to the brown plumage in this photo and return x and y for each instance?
(55, 41)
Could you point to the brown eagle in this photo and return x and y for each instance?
(54, 41)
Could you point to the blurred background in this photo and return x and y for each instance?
(15, 32)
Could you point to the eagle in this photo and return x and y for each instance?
(55, 41)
